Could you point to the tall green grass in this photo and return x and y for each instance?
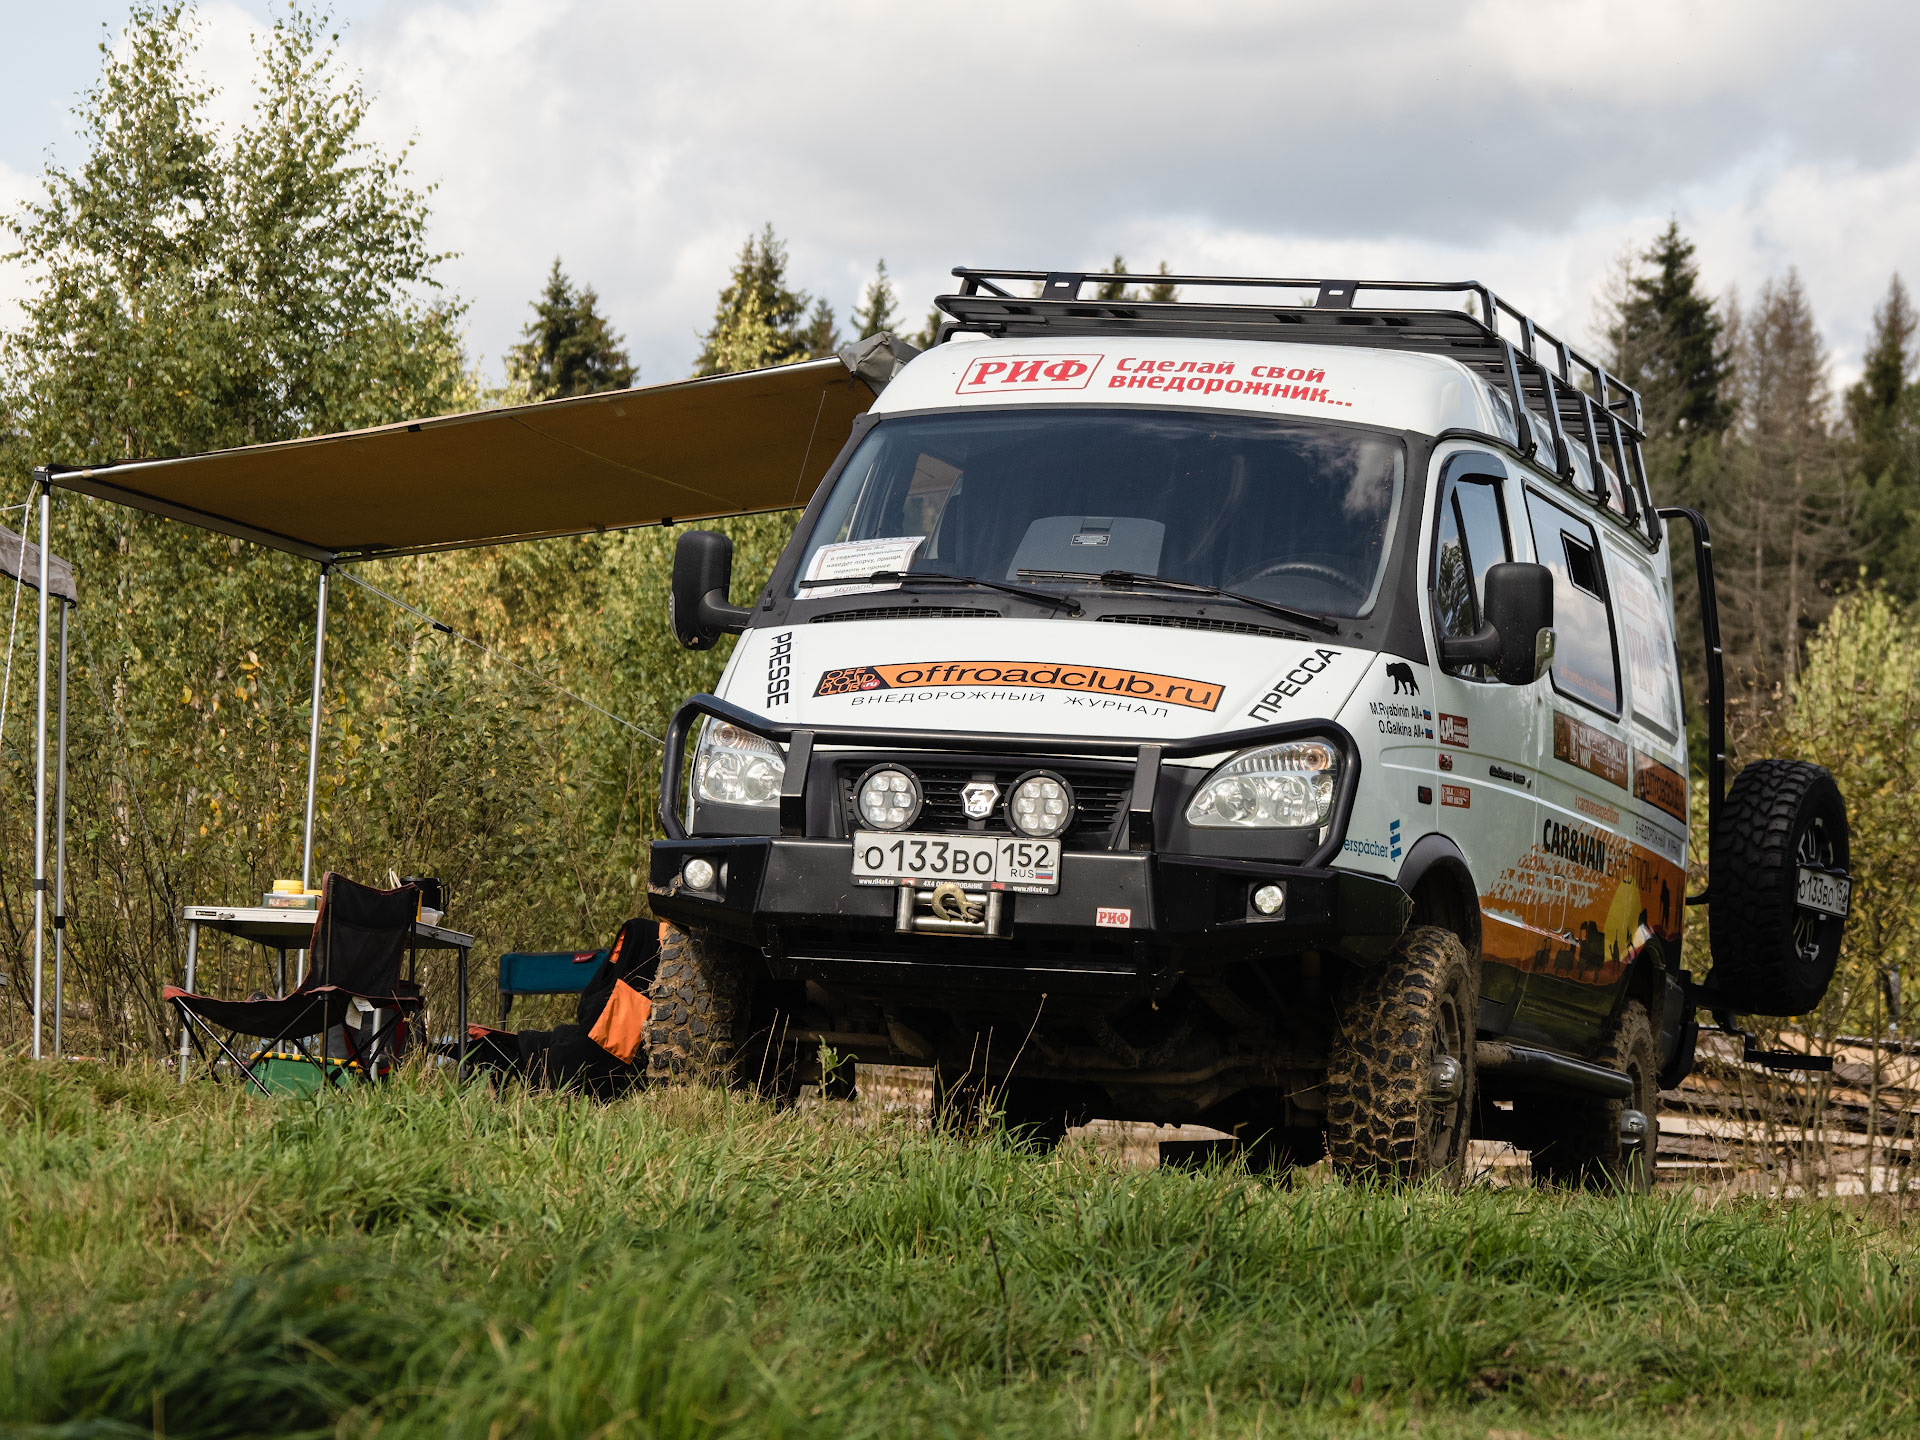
(416, 1260)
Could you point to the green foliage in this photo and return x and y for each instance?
(415, 1260)
(761, 320)
(879, 305)
(568, 348)
(1856, 710)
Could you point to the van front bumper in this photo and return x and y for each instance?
(1121, 922)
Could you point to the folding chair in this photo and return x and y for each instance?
(359, 937)
(549, 972)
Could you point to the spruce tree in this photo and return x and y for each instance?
(1670, 344)
(568, 348)
(1883, 423)
(878, 309)
(1118, 292)
(822, 334)
(1780, 508)
(760, 319)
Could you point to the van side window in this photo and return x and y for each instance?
(1585, 666)
(1646, 633)
(1471, 538)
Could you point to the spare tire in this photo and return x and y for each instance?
(1773, 955)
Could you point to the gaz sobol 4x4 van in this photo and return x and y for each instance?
(1255, 713)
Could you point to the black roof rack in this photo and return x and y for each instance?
(1571, 400)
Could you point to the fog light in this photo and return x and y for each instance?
(1041, 805)
(698, 874)
(889, 797)
(1270, 899)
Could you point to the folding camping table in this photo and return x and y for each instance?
(291, 929)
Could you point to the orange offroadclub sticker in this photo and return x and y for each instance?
(1023, 674)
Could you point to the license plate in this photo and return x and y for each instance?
(1829, 894)
(1006, 862)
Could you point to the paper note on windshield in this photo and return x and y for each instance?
(853, 558)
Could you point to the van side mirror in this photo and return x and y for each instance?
(1517, 638)
(697, 608)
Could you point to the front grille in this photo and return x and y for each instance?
(1202, 622)
(909, 612)
(1099, 796)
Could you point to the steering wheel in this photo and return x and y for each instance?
(1339, 579)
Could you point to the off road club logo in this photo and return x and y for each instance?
(1023, 674)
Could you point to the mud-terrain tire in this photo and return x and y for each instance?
(1575, 1141)
(1395, 1023)
(700, 997)
(1770, 956)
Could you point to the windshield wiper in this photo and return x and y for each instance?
(934, 577)
(1138, 580)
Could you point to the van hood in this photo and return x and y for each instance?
(1036, 677)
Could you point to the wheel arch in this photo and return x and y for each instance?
(1439, 882)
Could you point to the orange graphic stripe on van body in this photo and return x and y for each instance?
(1026, 675)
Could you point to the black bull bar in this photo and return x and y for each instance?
(787, 892)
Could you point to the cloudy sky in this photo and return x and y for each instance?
(1525, 143)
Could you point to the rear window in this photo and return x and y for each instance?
(1585, 667)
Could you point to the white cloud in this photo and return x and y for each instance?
(1523, 142)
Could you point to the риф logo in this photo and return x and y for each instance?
(1028, 372)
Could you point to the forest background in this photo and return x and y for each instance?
(196, 289)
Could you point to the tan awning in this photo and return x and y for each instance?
(691, 450)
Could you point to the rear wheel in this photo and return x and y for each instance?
(1584, 1141)
(1771, 954)
(1400, 1073)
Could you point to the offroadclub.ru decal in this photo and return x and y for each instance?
(1137, 685)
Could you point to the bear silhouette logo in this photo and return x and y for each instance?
(1401, 674)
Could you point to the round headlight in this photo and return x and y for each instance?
(1278, 787)
(889, 797)
(1041, 805)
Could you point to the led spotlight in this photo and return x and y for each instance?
(1270, 899)
(889, 797)
(698, 874)
(1040, 805)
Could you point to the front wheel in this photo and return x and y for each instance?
(1400, 1073)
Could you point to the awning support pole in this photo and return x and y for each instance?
(40, 774)
(313, 741)
(60, 853)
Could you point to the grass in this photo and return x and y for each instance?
(419, 1261)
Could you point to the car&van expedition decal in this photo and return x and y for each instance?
(1022, 674)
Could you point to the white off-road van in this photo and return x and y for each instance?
(1261, 711)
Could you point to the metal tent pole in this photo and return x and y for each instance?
(60, 852)
(40, 774)
(313, 744)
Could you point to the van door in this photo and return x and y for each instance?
(1484, 741)
(1585, 901)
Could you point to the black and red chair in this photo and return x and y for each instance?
(353, 998)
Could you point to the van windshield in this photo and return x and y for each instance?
(1286, 510)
